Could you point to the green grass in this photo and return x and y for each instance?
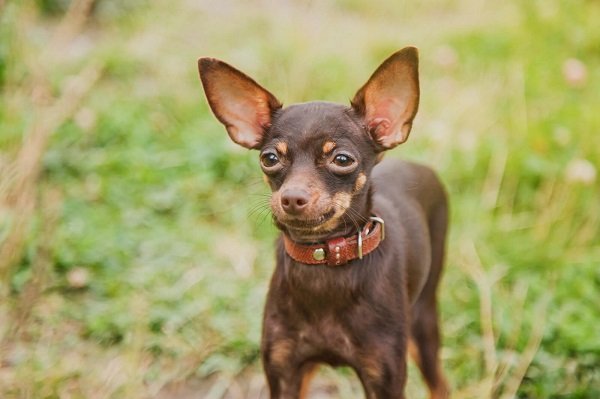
(142, 193)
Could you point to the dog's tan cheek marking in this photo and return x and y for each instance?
(340, 201)
(360, 182)
(281, 147)
(328, 147)
(266, 180)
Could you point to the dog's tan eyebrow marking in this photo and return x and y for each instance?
(328, 147)
(360, 182)
(281, 147)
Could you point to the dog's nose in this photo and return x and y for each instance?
(294, 201)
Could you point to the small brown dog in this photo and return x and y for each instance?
(362, 243)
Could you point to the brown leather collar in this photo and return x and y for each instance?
(340, 250)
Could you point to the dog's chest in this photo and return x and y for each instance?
(328, 339)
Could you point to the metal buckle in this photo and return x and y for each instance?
(360, 254)
(360, 241)
(380, 221)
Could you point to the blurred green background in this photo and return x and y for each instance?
(135, 248)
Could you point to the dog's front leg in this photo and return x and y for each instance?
(287, 377)
(283, 386)
(383, 372)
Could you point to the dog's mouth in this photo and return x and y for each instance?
(308, 224)
(319, 220)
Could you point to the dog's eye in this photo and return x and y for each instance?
(269, 159)
(343, 160)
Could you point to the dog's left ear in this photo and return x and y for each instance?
(389, 100)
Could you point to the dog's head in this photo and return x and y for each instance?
(317, 156)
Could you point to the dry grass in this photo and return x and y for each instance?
(505, 366)
(20, 198)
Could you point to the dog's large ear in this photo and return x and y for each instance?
(389, 100)
(241, 104)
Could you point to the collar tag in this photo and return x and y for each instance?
(318, 254)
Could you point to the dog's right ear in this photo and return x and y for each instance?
(241, 104)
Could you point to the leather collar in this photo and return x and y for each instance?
(340, 250)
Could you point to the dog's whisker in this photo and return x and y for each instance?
(258, 209)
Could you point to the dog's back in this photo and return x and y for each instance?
(414, 203)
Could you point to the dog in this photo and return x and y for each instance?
(362, 242)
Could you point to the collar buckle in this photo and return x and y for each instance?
(381, 222)
(359, 246)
